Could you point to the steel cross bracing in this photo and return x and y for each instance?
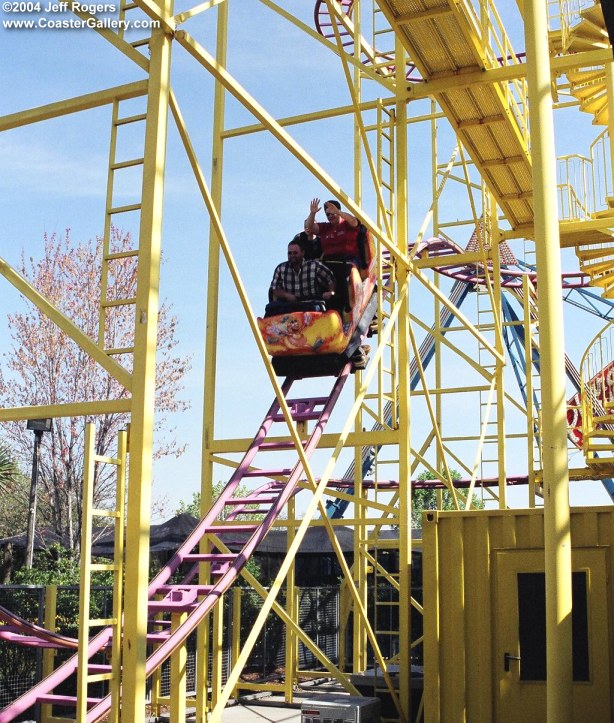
(336, 508)
(466, 275)
(188, 596)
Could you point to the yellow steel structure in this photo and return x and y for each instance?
(480, 96)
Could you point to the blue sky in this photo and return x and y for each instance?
(54, 177)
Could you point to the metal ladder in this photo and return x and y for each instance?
(89, 672)
(120, 254)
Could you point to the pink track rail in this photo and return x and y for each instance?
(20, 631)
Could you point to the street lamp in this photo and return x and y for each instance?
(38, 426)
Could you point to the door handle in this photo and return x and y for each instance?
(506, 660)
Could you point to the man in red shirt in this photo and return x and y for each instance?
(340, 250)
(338, 234)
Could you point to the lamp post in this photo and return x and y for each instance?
(38, 426)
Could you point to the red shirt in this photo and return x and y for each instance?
(339, 240)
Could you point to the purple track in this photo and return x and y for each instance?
(188, 596)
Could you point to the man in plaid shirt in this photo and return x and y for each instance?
(299, 279)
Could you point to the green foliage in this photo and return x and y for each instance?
(428, 499)
(193, 507)
(190, 508)
(8, 470)
(57, 566)
(14, 495)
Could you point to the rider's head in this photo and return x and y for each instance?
(296, 253)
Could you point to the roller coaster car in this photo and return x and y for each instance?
(314, 343)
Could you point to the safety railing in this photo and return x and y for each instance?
(597, 390)
(498, 51)
(601, 160)
(563, 15)
(575, 187)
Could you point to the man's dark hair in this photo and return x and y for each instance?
(298, 241)
(334, 202)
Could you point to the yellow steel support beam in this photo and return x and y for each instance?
(141, 436)
(327, 441)
(293, 610)
(73, 105)
(75, 409)
(404, 392)
(51, 606)
(179, 660)
(211, 329)
(557, 538)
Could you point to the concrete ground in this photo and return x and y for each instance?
(272, 708)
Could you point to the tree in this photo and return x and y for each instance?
(8, 470)
(44, 367)
(426, 499)
(14, 494)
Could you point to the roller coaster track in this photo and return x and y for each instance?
(16, 629)
(188, 596)
(382, 62)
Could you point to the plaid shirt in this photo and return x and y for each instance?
(309, 282)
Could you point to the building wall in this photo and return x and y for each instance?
(462, 602)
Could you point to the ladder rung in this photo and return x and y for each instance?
(124, 209)
(106, 460)
(122, 255)
(128, 164)
(99, 677)
(103, 567)
(119, 302)
(117, 352)
(140, 43)
(106, 513)
(131, 119)
(101, 622)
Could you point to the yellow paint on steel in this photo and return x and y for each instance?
(557, 541)
(178, 678)
(141, 438)
(74, 409)
(49, 654)
(73, 105)
(471, 563)
(452, 44)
